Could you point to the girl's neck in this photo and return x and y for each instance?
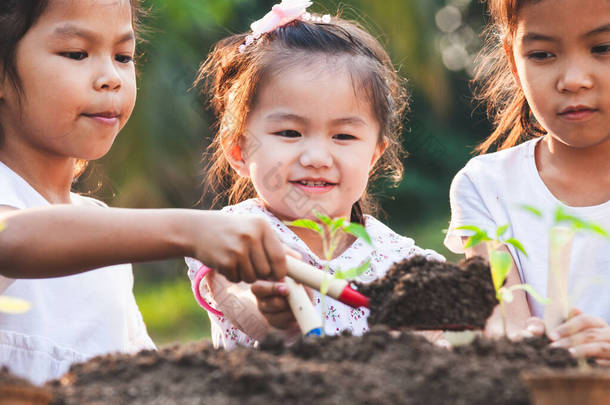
(314, 242)
(576, 176)
(50, 176)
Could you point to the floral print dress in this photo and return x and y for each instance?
(388, 248)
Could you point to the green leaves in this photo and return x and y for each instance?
(478, 237)
(531, 291)
(306, 223)
(358, 231)
(353, 273)
(500, 263)
(516, 244)
(578, 224)
(532, 210)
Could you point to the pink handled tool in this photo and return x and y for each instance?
(312, 277)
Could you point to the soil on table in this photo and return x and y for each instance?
(428, 294)
(381, 367)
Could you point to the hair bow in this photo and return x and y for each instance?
(281, 14)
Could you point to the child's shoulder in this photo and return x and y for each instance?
(502, 159)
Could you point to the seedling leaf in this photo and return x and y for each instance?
(358, 231)
(473, 228)
(323, 218)
(353, 273)
(500, 263)
(306, 223)
(532, 210)
(13, 305)
(476, 239)
(532, 292)
(337, 223)
(501, 230)
(2, 226)
(516, 244)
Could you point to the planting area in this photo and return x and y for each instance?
(388, 365)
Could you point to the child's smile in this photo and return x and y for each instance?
(312, 140)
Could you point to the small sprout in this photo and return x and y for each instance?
(500, 264)
(331, 231)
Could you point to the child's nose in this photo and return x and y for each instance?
(575, 76)
(316, 154)
(107, 77)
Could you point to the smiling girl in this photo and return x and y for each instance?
(546, 81)
(310, 111)
(67, 87)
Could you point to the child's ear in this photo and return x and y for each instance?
(508, 50)
(379, 149)
(233, 154)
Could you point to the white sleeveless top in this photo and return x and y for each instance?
(71, 318)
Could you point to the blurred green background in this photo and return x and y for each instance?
(157, 159)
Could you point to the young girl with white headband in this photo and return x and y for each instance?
(309, 110)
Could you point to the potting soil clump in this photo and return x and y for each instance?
(381, 367)
(427, 294)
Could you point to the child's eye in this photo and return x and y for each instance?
(540, 56)
(74, 55)
(603, 49)
(344, 137)
(290, 133)
(123, 58)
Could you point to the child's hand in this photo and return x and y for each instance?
(584, 336)
(272, 303)
(240, 247)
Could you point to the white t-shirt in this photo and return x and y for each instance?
(72, 318)
(389, 248)
(489, 192)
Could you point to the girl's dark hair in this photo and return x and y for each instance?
(232, 81)
(16, 18)
(495, 85)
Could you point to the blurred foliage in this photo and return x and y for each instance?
(157, 159)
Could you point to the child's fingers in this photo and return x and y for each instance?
(292, 252)
(263, 289)
(599, 350)
(273, 305)
(535, 326)
(275, 254)
(575, 325)
(585, 338)
(284, 320)
(246, 271)
(260, 261)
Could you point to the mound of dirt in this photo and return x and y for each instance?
(427, 294)
(381, 367)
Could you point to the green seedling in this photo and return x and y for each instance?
(500, 263)
(12, 305)
(561, 234)
(331, 232)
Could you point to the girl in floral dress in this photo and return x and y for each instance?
(309, 110)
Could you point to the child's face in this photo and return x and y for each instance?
(78, 80)
(311, 142)
(562, 61)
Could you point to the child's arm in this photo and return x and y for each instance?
(63, 240)
(517, 311)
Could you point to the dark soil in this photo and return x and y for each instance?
(381, 367)
(425, 294)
